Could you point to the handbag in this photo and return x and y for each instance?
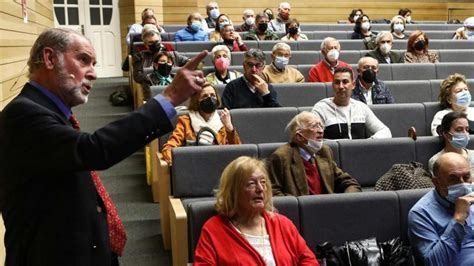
(404, 176)
(197, 142)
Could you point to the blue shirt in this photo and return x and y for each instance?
(165, 104)
(436, 236)
(188, 34)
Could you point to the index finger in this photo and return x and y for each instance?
(194, 62)
(258, 77)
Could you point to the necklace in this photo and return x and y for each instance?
(260, 245)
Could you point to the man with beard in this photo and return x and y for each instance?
(278, 24)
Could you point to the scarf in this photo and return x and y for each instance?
(198, 122)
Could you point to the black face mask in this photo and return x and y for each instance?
(155, 47)
(419, 45)
(208, 105)
(164, 69)
(262, 27)
(293, 31)
(369, 76)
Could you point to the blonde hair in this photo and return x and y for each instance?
(299, 122)
(445, 89)
(232, 182)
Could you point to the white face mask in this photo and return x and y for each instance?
(281, 62)
(385, 48)
(365, 25)
(315, 145)
(398, 28)
(214, 13)
(250, 21)
(355, 18)
(333, 55)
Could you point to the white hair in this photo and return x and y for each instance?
(327, 40)
(248, 12)
(283, 4)
(218, 48)
(383, 34)
(281, 45)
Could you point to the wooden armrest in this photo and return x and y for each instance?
(179, 232)
(163, 185)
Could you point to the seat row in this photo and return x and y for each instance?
(309, 45)
(350, 27)
(348, 56)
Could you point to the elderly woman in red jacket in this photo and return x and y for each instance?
(246, 230)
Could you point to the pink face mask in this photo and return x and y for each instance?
(222, 63)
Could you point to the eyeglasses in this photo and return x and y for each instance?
(314, 126)
(257, 65)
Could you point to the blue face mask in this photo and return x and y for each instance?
(463, 98)
(281, 62)
(196, 26)
(458, 190)
(459, 140)
(469, 33)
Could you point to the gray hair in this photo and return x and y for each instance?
(299, 122)
(218, 48)
(150, 30)
(59, 39)
(364, 59)
(327, 40)
(260, 15)
(281, 45)
(248, 11)
(255, 54)
(383, 34)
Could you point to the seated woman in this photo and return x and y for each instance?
(454, 134)
(247, 230)
(221, 58)
(161, 75)
(202, 113)
(354, 15)
(397, 27)
(417, 49)
(362, 30)
(454, 96)
(293, 31)
(232, 39)
(466, 32)
(215, 36)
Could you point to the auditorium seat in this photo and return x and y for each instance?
(410, 91)
(400, 117)
(443, 70)
(413, 71)
(426, 147)
(300, 94)
(458, 55)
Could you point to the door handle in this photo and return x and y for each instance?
(82, 29)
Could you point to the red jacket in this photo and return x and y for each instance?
(221, 244)
(322, 73)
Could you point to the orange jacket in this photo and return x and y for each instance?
(184, 131)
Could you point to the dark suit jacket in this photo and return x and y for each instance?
(51, 215)
(288, 176)
(394, 57)
(238, 95)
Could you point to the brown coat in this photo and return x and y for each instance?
(288, 176)
(184, 131)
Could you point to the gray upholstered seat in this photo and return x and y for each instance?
(458, 55)
(400, 117)
(431, 108)
(267, 46)
(408, 198)
(426, 147)
(300, 94)
(410, 91)
(413, 71)
(195, 46)
(443, 70)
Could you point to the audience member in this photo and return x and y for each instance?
(221, 58)
(363, 31)
(383, 53)
(221, 21)
(232, 39)
(417, 49)
(466, 32)
(441, 223)
(454, 96)
(406, 14)
(279, 71)
(202, 114)
(247, 230)
(397, 28)
(324, 70)
(346, 118)
(354, 15)
(194, 31)
(261, 32)
(250, 90)
(454, 135)
(212, 10)
(147, 18)
(249, 21)
(278, 24)
(368, 89)
(56, 209)
(144, 59)
(269, 13)
(305, 165)
(293, 31)
(161, 75)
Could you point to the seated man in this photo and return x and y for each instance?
(324, 70)
(346, 118)
(383, 53)
(248, 17)
(144, 59)
(279, 71)
(441, 223)
(194, 31)
(261, 31)
(147, 15)
(212, 10)
(368, 89)
(305, 165)
(278, 24)
(250, 90)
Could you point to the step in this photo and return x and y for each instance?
(147, 260)
(135, 211)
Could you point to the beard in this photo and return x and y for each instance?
(72, 94)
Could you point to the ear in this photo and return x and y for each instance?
(48, 57)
